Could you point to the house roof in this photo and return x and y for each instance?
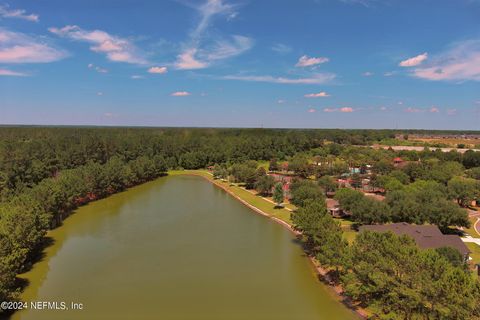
(331, 203)
(426, 236)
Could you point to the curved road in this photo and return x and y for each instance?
(475, 214)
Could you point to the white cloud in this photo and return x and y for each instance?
(209, 9)
(97, 68)
(413, 110)
(306, 61)
(317, 78)
(99, 93)
(317, 95)
(414, 61)
(159, 70)
(281, 48)
(180, 94)
(225, 49)
(187, 61)
(195, 54)
(281, 101)
(343, 110)
(367, 74)
(6, 12)
(346, 109)
(6, 72)
(115, 48)
(136, 77)
(311, 110)
(460, 62)
(434, 110)
(16, 47)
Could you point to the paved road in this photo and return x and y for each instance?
(475, 214)
(419, 148)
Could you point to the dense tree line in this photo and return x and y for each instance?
(25, 217)
(400, 281)
(29, 155)
(419, 202)
(389, 274)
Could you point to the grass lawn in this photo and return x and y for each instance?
(475, 248)
(260, 203)
(349, 235)
(344, 222)
(264, 164)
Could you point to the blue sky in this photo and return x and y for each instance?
(241, 63)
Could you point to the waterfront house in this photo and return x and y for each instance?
(426, 236)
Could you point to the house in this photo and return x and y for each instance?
(285, 181)
(426, 236)
(334, 209)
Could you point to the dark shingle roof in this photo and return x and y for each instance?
(426, 236)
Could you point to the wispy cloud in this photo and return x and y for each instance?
(432, 109)
(321, 94)
(224, 49)
(6, 12)
(365, 3)
(414, 61)
(115, 48)
(306, 61)
(6, 72)
(451, 112)
(209, 9)
(342, 109)
(311, 110)
(180, 94)
(136, 77)
(97, 68)
(367, 74)
(16, 47)
(317, 78)
(413, 110)
(460, 62)
(159, 70)
(281, 48)
(200, 52)
(187, 61)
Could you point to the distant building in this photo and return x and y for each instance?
(399, 162)
(426, 236)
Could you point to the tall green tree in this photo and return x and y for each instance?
(278, 195)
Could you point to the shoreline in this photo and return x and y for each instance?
(336, 290)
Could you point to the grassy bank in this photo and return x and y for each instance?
(250, 198)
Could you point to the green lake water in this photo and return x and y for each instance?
(176, 248)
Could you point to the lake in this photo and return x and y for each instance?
(176, 248)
